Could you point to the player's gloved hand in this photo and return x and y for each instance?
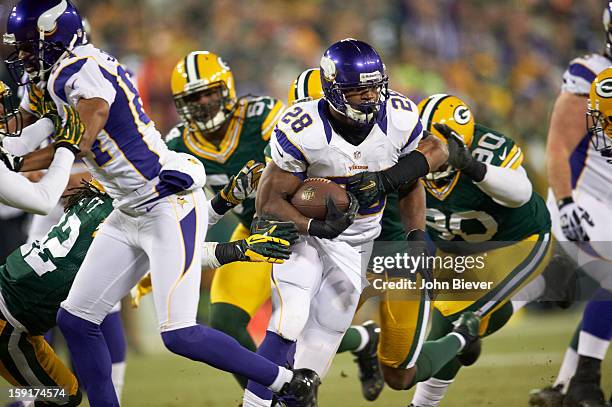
(69, 131)
(12, 162)
(573, 219)
(459, 155)
(38, 104)
(335, 221)
(141, 289)
(274, 228)
(263, 249)
(369, 187)
(243, 184)
(417, 247)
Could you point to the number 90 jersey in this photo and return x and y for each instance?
(460, 211)
(37, 277)
(305, 144)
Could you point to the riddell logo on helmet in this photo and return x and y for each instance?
(604, 88)
(370, 77)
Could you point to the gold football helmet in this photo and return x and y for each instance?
(449, 110)
(9, 112)
(307, 86)
(599, 113)
(204, 91)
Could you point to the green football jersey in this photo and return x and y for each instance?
(460, 211)
(246, 137)
(37, 277)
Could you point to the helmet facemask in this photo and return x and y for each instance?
(364, 113)
(10, 114)
(205, 117)
(599, 128)
(32, 60)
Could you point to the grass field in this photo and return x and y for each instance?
(524, 355)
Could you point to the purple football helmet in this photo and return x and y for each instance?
(352, 65)
(42, 32)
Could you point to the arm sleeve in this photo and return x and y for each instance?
(40, 197)
(508, 187)
(24, 103)
(31, 137)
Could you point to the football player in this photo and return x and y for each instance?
(49, 265)
(481, 202)
(359, 125)
(361, 340)
(581, 207)
(18, 191)
(160, 212)
(224, 132)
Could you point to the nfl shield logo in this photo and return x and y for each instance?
(357, 155)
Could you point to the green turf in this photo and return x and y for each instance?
(522, 356)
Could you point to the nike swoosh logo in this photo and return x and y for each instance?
(372, 184)
(149, 208)
(279, 151)
(503, 155)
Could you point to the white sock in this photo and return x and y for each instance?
(567, 370)
(249, 399)
(365, 337)
(284, 376)
(118, 375)
(429, 393)
(592, 346)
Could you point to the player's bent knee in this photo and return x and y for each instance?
(181, 340)
(397, 378)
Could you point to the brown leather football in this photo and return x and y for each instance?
(310, 197)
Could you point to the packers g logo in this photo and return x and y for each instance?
(329, 68)
(604, 88)
(223, 64)
(462, 114)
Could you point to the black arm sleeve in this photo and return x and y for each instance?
(407, 170)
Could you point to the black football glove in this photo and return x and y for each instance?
(12, 162)
(335, 221)
(369, 187)
(459, 155)
(417, 247)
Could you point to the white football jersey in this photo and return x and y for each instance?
(591, 172)
(129, 152)
(305, 144)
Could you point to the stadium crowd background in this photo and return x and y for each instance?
(505, 58)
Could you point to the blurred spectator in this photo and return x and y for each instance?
(504, 57)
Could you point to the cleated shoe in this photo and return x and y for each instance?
(547, 397)
(584, 394)
(468, 326)
(302, 389)
(370, 375)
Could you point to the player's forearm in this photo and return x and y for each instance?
(565, 132)
(508, 187)
(31, 137)
(41, 197)
(435, 152)
(94, 114)
(39, 159)
(275, 189)
(412, 206)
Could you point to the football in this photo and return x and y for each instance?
(310, 197)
